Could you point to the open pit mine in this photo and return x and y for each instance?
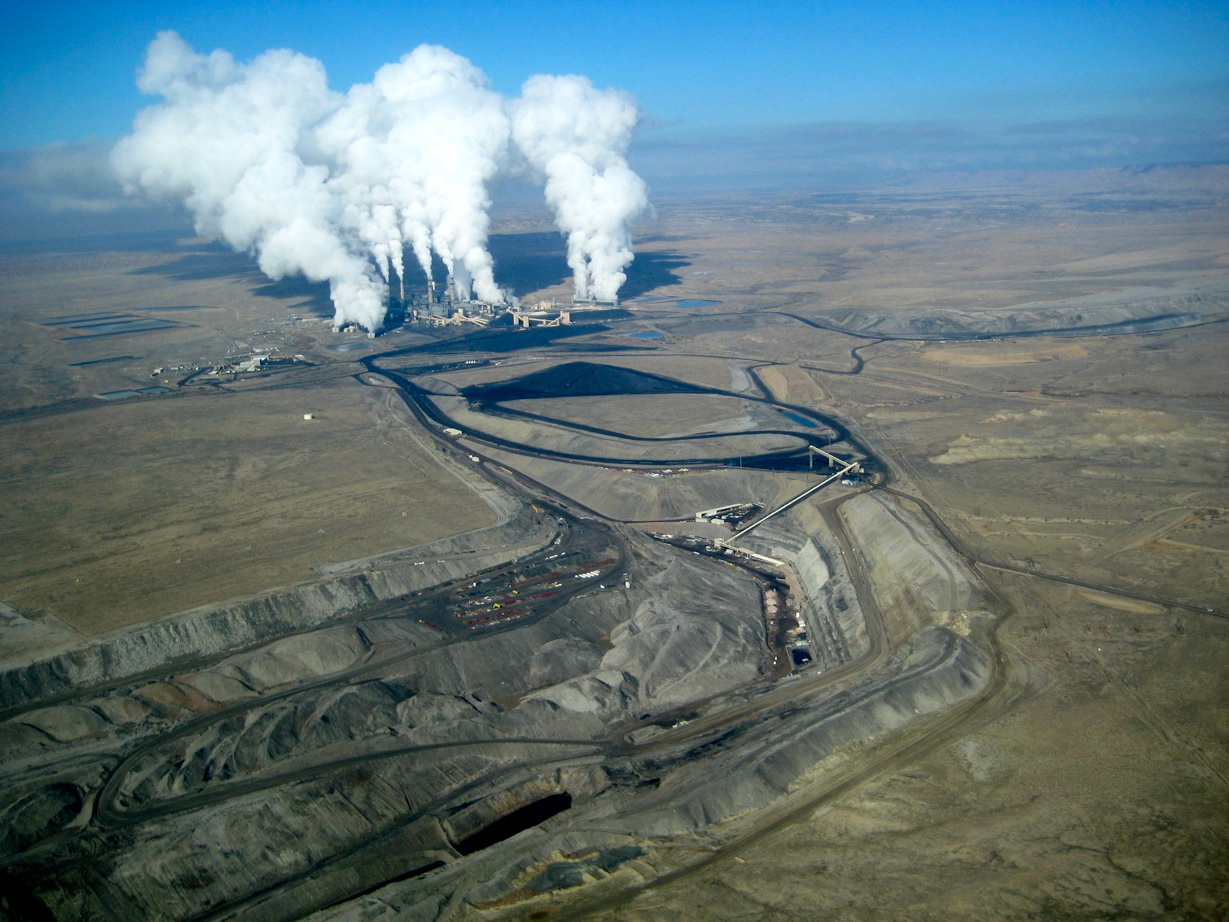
(573, 610)
(557, 704)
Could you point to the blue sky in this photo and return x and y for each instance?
(739, 91)
(69, 66)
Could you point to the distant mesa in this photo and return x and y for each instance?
(685, 303)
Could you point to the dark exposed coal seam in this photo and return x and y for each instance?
(108, 815)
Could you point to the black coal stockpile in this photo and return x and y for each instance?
(579, 379)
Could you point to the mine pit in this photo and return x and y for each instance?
(520, 819)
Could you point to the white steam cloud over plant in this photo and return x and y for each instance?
(338, 187)
(576, 136)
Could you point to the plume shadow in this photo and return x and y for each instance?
(209, 261)
(215, 261)
(524, 262)
(312, 296)
(530, 261)
(534, 260)
(651, 271)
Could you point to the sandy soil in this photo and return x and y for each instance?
(125, 511)
(654, 417)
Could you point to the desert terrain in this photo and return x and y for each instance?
(867, 562)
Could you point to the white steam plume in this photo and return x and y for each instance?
(226, 142)
(336, 187)
(577, 136)
(426, 136)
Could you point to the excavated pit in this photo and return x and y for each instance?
(522, 818)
